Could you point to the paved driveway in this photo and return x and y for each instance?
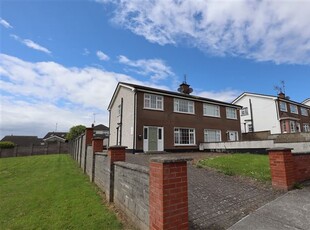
(216, 201)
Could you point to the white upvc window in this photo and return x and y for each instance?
(152, 101)
(184, 106)
(231, 113)
(211, 110)
(283, 106)
(294, 109)
(293, 126)
(304, 111)
(184, 136)
(244, 111)
(119, 110)
(306, 127)
(212, 135)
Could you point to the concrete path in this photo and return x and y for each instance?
(216, 201)
(290, 211)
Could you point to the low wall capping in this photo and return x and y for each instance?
(134, 167)
(166, 160)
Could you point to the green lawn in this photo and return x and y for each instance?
(50, 192)
(250, 165)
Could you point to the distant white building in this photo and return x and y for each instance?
(276, 114)
(306, 102)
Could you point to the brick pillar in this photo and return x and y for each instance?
(282, 168)
(117, 153)
(89, 135)
(97, 144)
(168, 193)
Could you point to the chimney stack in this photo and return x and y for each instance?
(281, 95)
(184, 87)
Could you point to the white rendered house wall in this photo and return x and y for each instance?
(127, 119)
(265, 114)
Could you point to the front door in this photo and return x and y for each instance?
(153, 138)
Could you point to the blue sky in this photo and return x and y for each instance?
(61, 60)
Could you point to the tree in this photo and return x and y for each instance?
(75, 131)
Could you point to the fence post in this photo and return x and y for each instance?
(282, 168)
(168, 195)
(89, 133)
(97, 147)
(16, 150)
(115, 153)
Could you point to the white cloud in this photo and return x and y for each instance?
(156, 69)
(5, 24)
(86, 52)
(36, 96)
(227, 95)
(31, 44)
(102, 56)
(262, 30)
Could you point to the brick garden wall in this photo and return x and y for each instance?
(287, 169)
(102, 173)
(130, 188)
(131, 192)
(302, 167)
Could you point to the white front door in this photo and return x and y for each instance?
(153, 138)
(232, 136)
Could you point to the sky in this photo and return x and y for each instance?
(60, 61)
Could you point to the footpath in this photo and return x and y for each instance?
(287, 212)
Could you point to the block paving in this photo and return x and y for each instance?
(216, 201)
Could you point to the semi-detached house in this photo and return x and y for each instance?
(276, 114)
(148, 119)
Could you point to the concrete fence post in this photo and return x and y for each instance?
(282, 168)
(168, 194)
(115, 153)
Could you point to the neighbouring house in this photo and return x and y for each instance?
(306, 102)
(24, 140)
(276, 114)
(55, 137)
(101, 131)
(148, 119)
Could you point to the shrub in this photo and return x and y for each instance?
(6, 145)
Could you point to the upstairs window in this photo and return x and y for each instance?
(119, 110)
(294, 109)
(304, 111)
(283, 106)
(183, 106)
(184, 136)
(211, 110)
(212, 135)
(231, 113)
(244, 111)
(152, 101)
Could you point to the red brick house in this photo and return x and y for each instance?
(148, 119)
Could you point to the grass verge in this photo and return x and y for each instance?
(50, 192)
(250, 165)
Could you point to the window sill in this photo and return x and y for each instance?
(211, 116)
(153, 109)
